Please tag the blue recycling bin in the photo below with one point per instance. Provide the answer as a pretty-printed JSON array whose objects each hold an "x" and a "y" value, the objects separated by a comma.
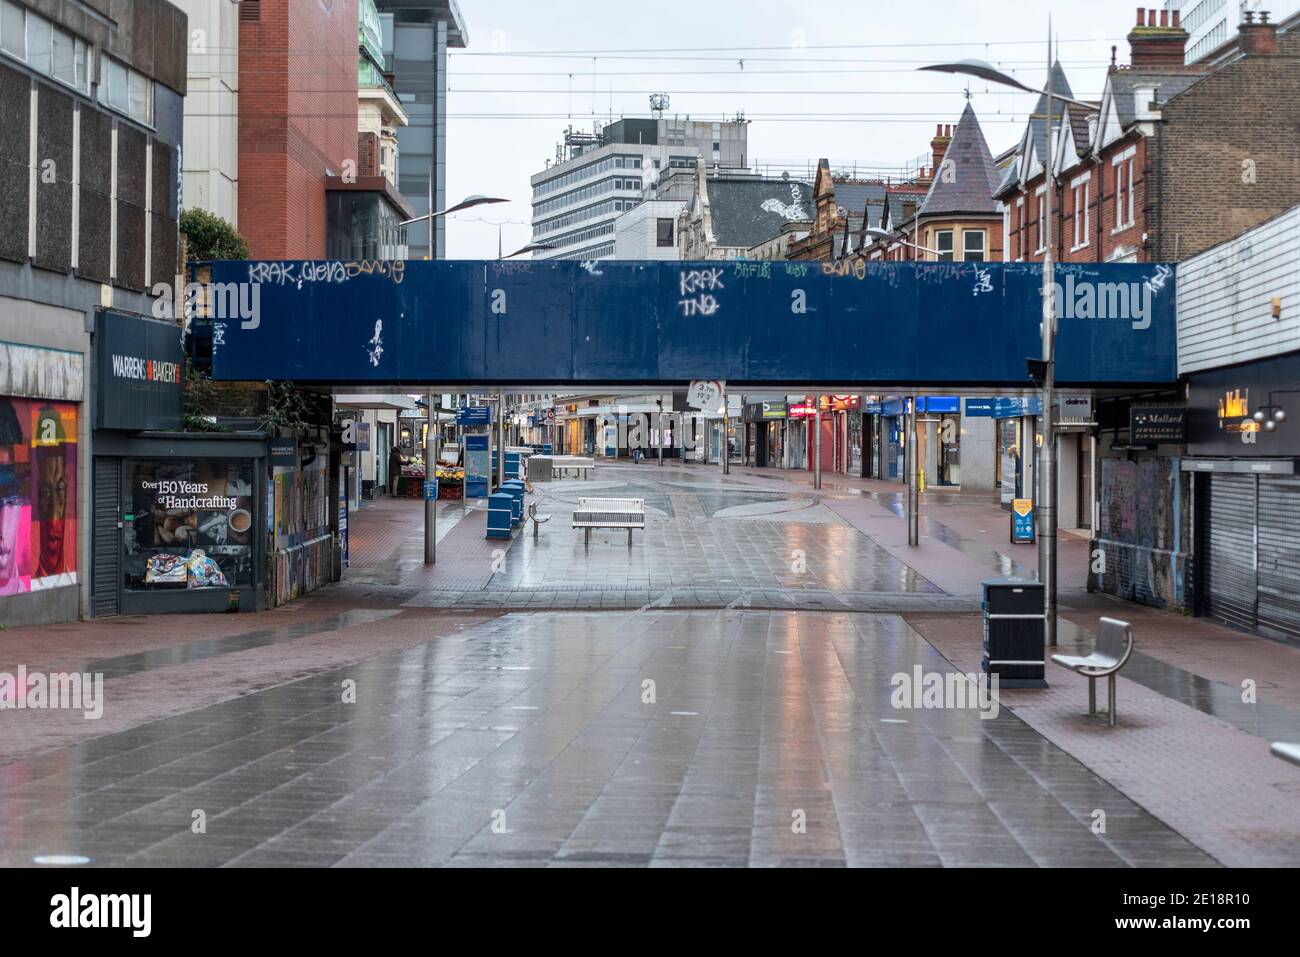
[
  {"x": 512, "y": 465},
  {"x": 500, "y": 510},
  {"x": 515, "y": 488}
]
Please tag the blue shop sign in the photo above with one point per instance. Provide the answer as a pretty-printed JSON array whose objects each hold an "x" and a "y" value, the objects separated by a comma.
[
  {"x": 1004, "y": 407},
  {"x": 938, "y": 403}
]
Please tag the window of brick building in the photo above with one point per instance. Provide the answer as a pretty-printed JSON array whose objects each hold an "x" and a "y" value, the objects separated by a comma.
[
  {"x": 972, "y": 245},
  {"x": 1124, "y": 171},
  {"x": 943, "y": 245},
  {"x": 1081, "y": 217},
  {"x": 1040, "y": 199}
]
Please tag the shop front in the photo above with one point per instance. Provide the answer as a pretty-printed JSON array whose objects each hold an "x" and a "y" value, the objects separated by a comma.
[
  {"x": 1243, "y": 450},
  {"x": 1014, "y": 442},
  {"x": 939, "y": 440},
  {"x": 765, "y": 433},
  {"x": 841, "y": 431},
  {"x": 40, "y": 484},
  {"x": 176, "y": 524},
  {"x": 887, "y": 419},
  {"x": 176, "y": 515}
]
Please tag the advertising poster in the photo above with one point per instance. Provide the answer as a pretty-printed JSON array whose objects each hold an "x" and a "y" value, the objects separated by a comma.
[
  {"x": 476, "y": 466},
  {"x": 1022, "y": 521},
  {"x": 38, "y": 495},
  {"x": 189, "y": 523}
]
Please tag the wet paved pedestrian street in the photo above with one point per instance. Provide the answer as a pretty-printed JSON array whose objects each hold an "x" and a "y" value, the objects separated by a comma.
[
  {"x": 536, "y": 739},
  {"x": 721, "y": 692}
]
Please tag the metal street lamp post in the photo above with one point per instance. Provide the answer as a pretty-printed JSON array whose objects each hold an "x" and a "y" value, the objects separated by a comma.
[
  {"x": 911, "y": 466},
  {"x": 431, "y": 433},
  {"x": 1048, "y": 457}
]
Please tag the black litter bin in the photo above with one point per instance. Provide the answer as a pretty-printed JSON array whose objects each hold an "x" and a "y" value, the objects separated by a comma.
[{"x": 1014, "y": 632}]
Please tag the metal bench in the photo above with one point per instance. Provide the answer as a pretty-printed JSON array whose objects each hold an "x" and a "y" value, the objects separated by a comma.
[
  {"x": 1109, "y": 654},
  {"x": 538, "y": 520},
  {"x": 626, "y": 513},
  {"x": 1285, "y": 751},
  {"x": 573, "y": 463}
]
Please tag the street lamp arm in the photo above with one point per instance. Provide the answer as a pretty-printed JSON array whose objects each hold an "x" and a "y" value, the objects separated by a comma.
[
  {"x": 986, "y": 71},
  {"x": 891, "y": 238},
  {"x": 465, "y": 203}
]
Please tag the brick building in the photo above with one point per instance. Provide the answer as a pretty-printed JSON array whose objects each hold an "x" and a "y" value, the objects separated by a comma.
[
  {"x": 957, "y": 218},
  {"x": 297, "y": 119},
  {"x": 1173, "y": 159},
  {"x": 842, "y": 206}
]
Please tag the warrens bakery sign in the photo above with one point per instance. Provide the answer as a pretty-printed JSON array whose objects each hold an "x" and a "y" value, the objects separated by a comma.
[{"x": 140, "y": 365}]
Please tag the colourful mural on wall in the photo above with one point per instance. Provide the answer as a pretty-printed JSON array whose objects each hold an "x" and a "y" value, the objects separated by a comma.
[
  {"x": 38, "y": 495},
  {"x": 303, "y": 545},
  {"x": 1138, "y": 552}
]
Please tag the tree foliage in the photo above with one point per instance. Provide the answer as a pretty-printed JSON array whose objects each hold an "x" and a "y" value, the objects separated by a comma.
[
  {"x": 286, "y": 408},
  {"x": 211, "y": 237}
]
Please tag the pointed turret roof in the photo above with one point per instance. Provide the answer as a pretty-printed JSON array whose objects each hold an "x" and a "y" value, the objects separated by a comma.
[
  {"x": 1038, "y": 119},
  {"x": 967, "y": 178}
]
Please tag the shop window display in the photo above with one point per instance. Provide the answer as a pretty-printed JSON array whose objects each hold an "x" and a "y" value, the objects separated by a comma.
[
  {"x": 38, "y": 495},
  {"x": 189, "y": 523}
]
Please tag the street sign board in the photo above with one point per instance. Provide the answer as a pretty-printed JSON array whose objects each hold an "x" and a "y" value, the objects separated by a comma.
[
  {"x": 1157, "y": 422},
  {"x": 705, "y": 394},
  {"x": 1022, "y": 521},
  {"x": 474, "y": 415},
  {"x": 430, "y": 489}
]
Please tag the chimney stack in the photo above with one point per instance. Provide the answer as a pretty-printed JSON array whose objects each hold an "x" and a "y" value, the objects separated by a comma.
[
  {"x": 939, "y": 145},
  {"x": 1154, "y": 42},
  {"x": 1257, "y": 38}
]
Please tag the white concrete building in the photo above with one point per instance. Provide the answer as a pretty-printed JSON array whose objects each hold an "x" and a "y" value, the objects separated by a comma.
[
  {"x": 1212, "y": 23},
  {"x": 648, "y": 230},
  {"x": 597, "y": 177},
  {"x": 210, "y": 157}
]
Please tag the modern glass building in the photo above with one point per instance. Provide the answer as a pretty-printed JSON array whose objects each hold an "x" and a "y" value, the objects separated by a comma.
[{"x": 417, "y": 36}]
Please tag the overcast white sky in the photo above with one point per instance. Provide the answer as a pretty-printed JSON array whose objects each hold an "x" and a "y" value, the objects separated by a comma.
[{"x": 855, "y": 58}]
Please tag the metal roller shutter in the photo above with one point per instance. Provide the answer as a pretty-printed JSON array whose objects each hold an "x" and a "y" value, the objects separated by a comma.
[
  {"x": 106, "y": 544},
  {"x": 1230, "y": 579},
  {"x": 1279, "y": 554}
]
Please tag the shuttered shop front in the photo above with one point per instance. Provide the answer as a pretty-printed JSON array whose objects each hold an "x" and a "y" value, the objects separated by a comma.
[
  {"x": 1278, "y": 605},
  {"x": 1250, "y": 551}
]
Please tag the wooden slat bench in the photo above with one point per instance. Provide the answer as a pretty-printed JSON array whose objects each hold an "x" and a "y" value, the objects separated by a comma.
[{"x": 626, "y": 513}]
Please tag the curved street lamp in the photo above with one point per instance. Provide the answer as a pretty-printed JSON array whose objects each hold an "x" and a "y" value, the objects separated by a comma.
[
  {"x": 1048, "y": 459},
  {"x": 987, "y": 71},
  {"x": 431, "y": 438},
  {"x": 530, "y": 248},
  {"x": 889, "y": 237},
  {"x": 466, "y": 203}
]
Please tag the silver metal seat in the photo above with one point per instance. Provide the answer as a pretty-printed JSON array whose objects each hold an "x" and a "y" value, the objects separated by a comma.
[
  {"x": 538, "y": 519},
  {"x": 626, "y": 513},
  {"x": 1109, "y": 654},
  {"x": 1285, "y": 751}
]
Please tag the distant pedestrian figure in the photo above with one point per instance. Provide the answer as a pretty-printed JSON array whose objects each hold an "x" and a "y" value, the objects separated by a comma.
[
  {"x": 394, "y": 469},
  {"x": 636, "y": 455}
]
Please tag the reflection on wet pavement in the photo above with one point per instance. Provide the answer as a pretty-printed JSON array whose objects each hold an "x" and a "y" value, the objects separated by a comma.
[
  {"x": 541, "y": 721},
  {"x": 211, "y": 647}
]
